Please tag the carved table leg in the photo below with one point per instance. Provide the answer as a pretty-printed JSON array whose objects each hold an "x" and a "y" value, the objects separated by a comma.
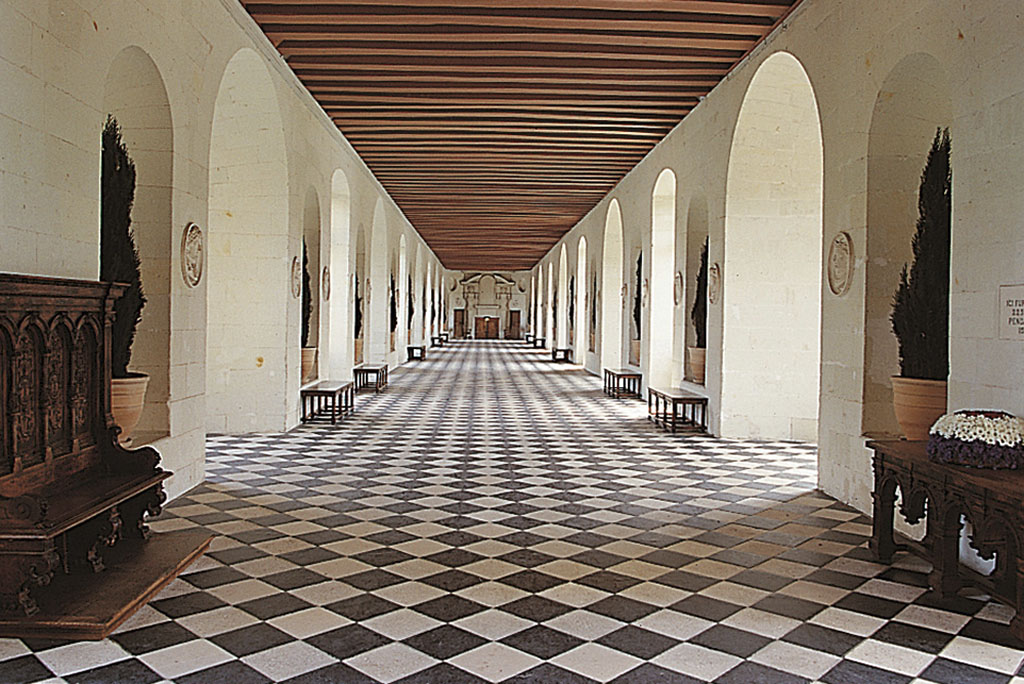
[
  {"x": 1017, "y": 624},
  {"x": 945, "y": 551},
  {"x": 883, "y": 545},
  {"x": 21, "y": 576}
]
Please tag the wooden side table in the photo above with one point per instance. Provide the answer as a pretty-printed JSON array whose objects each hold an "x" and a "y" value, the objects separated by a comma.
[
  {"x": 336, "y": 397},
  {"x": 992, "y": 500}
]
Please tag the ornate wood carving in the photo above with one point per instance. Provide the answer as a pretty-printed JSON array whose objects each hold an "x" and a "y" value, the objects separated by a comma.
[
  {"x": 944, "y": 495},
  {"x": 66, "y": 486}
]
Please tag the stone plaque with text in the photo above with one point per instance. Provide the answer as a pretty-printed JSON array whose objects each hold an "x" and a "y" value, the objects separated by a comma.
[{"x": 1011, "y": 312}]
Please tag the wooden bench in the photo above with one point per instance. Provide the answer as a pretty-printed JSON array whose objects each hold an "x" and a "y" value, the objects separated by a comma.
[
  {"x": 76, "y": 555},
  {"x": 436, "y": 341},
  {"x": 371, "y": 376},
  {"x": 992, "y": 500},
  {"x": 672, "y": 408},
  {"x": 416, "y": 352},
  {"x": 563, "y": 354},
  {"x": 622, "y": 382},
  {"x": 540, "y": 342},
  {"x": 337, "y": 398}
]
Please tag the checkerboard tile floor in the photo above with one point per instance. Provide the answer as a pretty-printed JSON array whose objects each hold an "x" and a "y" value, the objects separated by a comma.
[{"x": 493, "y": 517}]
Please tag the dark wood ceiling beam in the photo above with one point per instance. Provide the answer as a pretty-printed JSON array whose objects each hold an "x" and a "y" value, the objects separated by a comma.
[
  {"x": 497, "y": 124},
  {"x": 293, "y": 36},
  {"x": 760, "y": 8}
]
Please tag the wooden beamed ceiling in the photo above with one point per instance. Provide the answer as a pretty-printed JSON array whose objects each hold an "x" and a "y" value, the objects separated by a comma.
[{"x": 496, "y": 125}]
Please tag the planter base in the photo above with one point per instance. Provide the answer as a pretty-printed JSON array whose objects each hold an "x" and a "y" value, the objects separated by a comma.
[
  {"x": 127, "y": 397},
  {"x": 918, "y": 404}
]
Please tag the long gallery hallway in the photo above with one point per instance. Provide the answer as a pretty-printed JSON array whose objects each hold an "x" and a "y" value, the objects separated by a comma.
[{"x": 494, "y": 517}]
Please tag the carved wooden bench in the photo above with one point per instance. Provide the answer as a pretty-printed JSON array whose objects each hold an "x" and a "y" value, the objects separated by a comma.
[{"x": 74, "y": 557}]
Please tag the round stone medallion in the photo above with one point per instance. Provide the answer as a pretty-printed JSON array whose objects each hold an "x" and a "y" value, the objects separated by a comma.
[
  {"x": 714, "y": 283},
  {"x": 840, "y": 263},
  {"x": 192, "y": 254},
  {"x": 296, "y": 277}
]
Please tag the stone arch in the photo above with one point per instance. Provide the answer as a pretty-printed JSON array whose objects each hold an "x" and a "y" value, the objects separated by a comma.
[
  {"x": 611, "y": 288},
  {"x": 661, "y": 307},
  {"x": 583, "y": 295},
  {"x": 771, "y": 295},
  {"x": 247, "y": 320},
  {"x": 339, "y": 312},
  {"x": 134, "y": 93},
  {"x": 913, "y": 101}
]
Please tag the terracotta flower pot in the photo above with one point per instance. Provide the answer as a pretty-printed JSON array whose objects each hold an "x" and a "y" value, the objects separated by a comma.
[
  {"x": 695, "y": 358},
  {"x": 308, "y": 363},
  {"x": 918, "y": 404},
  {"x": 127, "y": 397}
]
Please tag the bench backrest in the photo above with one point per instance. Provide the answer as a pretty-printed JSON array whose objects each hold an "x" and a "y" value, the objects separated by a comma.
[{"x": 55, "y": 417}]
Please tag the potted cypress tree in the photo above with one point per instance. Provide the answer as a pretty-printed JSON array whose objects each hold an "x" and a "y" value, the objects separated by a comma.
[
  {"x": 699, "y": 316},
  {"x": 119, "y": 263},
  {"x": 634, "y": 341},
  {"x": 411, "y": 306},
  {"x": 920, "y": 306},
  {"x": 358, "y": 321},
  {"x": 308, "y": 352},
  {"x": 393, "y": 318}
]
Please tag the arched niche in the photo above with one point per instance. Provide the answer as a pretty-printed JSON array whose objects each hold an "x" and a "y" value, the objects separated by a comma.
[
  {"x": 912, "y": 103},
  {"x": 311, "y": 236},
  {"x": 583, "y": 295},
  {"x": 249, "y": 288},
  {"x": 611, "y": 288},
  {"x": 135, "y": 95},
  {"x": 661, "y": 306},
  {"x": 696, "y": 238},
  {"x": 562, "y": 326},
  {"x": 339, "y": 356},
  {"x": 376, "y": 323},
  {"x": 772, "y": 268}
]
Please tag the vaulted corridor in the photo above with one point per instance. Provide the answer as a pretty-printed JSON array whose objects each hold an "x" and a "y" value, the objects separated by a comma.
[{"x": 494, "y": 517}]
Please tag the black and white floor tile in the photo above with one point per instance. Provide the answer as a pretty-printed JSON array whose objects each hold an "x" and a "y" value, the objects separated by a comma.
[{"x": 493, "y": 517}]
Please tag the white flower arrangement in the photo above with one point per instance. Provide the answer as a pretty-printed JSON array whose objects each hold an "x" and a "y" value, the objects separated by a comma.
[{"x": 992, "y": 427}]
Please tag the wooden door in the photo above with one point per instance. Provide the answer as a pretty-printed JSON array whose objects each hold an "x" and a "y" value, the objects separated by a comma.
[
  {"x": 492, "y": 328},
  {"x": 513, "y": 332},
  {"x": 485, "y": 328},
  {"x": 459, "y": 324}
]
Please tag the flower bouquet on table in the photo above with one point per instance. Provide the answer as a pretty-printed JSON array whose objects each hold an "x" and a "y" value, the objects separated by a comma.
[{"x": 981, "y": 439}]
